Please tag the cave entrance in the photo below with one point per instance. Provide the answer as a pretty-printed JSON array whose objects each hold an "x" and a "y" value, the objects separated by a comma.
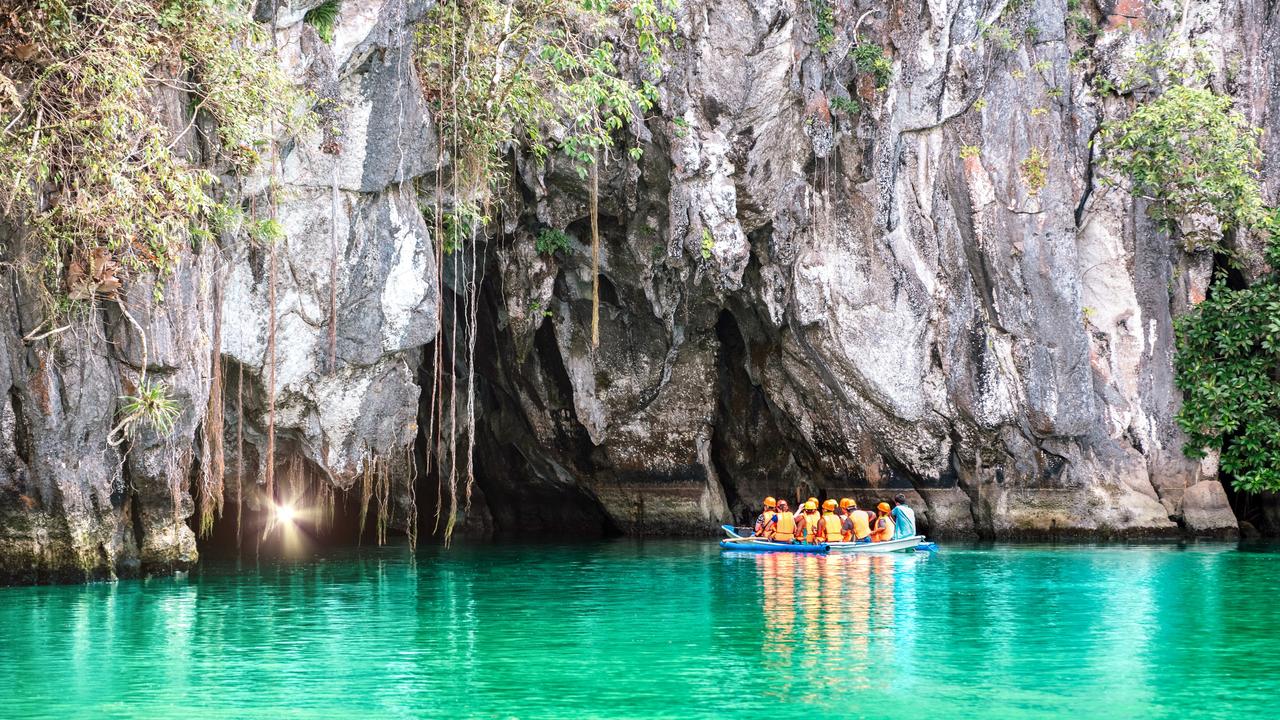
[
  {"x": 308, "y": 514},
  {"x": 524, "y": 486}
]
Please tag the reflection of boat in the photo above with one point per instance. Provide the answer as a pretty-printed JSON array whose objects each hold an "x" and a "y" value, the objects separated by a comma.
[
  {"x": 887, "y": 546},
  {"x": 761, "y": 545}
]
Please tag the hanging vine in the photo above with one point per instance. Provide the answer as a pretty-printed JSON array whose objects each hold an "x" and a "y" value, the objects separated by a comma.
[{"x": 536, "y": 76}]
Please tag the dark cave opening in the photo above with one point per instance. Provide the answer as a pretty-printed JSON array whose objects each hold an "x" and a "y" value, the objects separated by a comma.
[{"x": 524, "y": 487}]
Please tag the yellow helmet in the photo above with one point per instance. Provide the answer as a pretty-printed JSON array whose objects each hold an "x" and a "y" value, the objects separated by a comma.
[
  {"x": 770, "y": 502},
  {"x": 846, "y": 503},
  {"x": 829, "y": 505},
  {"x": 811, "y": 505},
  {"x": 814, "y": 500}
]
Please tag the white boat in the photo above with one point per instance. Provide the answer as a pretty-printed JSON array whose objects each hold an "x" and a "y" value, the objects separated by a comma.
[{"x": 888, "y": 546}]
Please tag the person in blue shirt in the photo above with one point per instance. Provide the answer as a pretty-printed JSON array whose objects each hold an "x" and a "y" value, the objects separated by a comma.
[{"x": 904, "y": 518}]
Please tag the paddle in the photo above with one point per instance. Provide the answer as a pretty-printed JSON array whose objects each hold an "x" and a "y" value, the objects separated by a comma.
[{"x": 733, "y": 531}]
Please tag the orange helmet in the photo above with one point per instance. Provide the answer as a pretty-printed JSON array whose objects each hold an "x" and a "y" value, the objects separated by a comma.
[
  {"x": 829, "y": 505},
  {"x": 883, "y": 507},
  {"x": 846, "y": 503},
  {"x": 770, "y": 502}
]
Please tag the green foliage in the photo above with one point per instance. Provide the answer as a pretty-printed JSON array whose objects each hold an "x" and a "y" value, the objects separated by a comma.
[
  {"x": 536, "y": 310},
  {"x": 1000, "y": 36},
  {"x": 1042, "y": 66},
  {"x": 1228, "y": 368},
  {"x": 151, "y": 407},
  {"x": 1189, "y": 152},
  {"x": 550, "y": 240},
  {"x": 85, "y": 163},
  {"x": 845, "y": 105},
  {"x": 267, "y": 231},
  {"x": 324, "y": 18},
  {"x": 980, "y": 104},
  {"x": 870, "y": 58},
  {"x": 682, "y": 126},
  {"x": 540, "y": 74},
  {"x": 1082, "y": 25},
  {"x": 708, "y": 243},
  {"x": 824, "y": 20},
  {"x": 1034, "y": 169},
  {"x": 969, "y": 151},
  {"x": 458, "y": 225}
]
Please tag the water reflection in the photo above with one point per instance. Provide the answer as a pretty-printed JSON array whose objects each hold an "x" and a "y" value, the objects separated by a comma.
[
  {"x": 659, "y": 630},
  {"x": 820, "y": 614}
]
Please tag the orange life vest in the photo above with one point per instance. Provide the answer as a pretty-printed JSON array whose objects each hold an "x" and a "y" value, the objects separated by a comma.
[
  {"x": 784, "y": 527},
  {"x": 884, "y": 530},
  {"x": 832, "y": 527},
  {"x": 811, "y": 526},
  {"x": 861, "y": 528}
]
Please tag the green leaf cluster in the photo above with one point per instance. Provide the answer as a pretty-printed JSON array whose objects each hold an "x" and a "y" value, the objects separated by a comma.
[
  {"x": 1034, "y": 169},
  {"x": 324, "y": 18},
  {"x": 824, "y": 21},
  {"x": 1228, "y": 368},
  {"x": 550, "y": 241},
  {"x": 150, "y": 407},
  {"x": 537, "y": 74},
  {"x": 1189, "y": 152},
  {"x": 870, "y": 58}
]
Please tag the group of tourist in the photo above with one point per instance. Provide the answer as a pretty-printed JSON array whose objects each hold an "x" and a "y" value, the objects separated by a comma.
[{"x": 840, "y": 521}]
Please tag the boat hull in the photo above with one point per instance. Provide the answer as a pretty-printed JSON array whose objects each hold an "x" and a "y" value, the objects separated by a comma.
[
  {"x": 888, "y": 546},
  {"x": 753, "y": 545}
]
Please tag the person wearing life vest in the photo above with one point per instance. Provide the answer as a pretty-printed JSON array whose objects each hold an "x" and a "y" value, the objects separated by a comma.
[
  {"x": 770, "y": 507},
  {"x": 860, "y": 524},
  {"x": 846, "y": 521},
  {"x": 904, "y": 518},
  {"x": 884, "y": 525},
  {"x": 782, "y": 525},
  {"x": 800, "y": 509},
  {"x": 830, "y": 526},
  {"x": 811, "y": 520}
]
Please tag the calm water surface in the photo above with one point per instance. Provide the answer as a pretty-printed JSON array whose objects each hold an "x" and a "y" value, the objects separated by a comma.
[{"x": 662, "y": 629}]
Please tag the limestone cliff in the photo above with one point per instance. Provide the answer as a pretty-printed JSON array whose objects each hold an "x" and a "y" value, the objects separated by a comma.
[{"x": 809, "y": 285}]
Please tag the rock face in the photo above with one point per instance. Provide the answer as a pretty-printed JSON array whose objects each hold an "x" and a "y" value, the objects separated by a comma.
[{"x": 931, "y": 294}]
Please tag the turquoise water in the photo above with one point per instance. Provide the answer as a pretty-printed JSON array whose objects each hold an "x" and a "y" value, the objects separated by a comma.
[{"x": 662, "y": 629}]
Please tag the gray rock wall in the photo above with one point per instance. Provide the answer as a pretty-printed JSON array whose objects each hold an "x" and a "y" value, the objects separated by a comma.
[{"x": 873, "y": 312}]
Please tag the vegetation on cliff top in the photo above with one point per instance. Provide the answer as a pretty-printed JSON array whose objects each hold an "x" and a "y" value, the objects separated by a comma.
[{"x": 87, "y": 165}]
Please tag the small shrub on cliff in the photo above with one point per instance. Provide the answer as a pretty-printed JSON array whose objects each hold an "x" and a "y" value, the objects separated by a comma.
[
  {"x": 870, "y": 58},
  {"x": 1034, "y": 169},
  {"x": 550, "y": 241},
  {"x": 324, "y": 18},
  {"x": 1188, "y": 152}
]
